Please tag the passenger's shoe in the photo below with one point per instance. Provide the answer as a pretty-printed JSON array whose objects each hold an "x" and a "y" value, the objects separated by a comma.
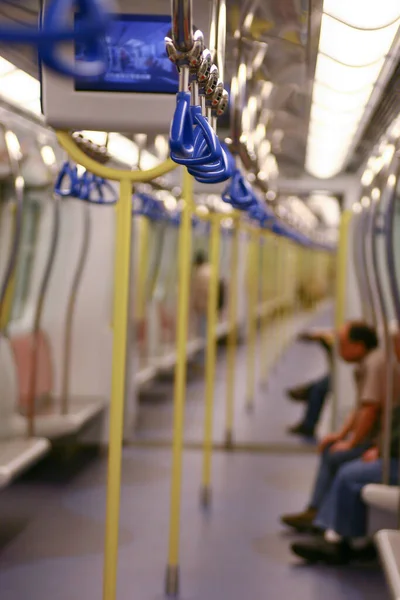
[
  {"x": 300, "y": 393},
  {"x": 319, "y": 550},
  {"x": 301, "y": 429},
  {"x": 367, "y": 553},
  {"x": 301, "y": 522}
]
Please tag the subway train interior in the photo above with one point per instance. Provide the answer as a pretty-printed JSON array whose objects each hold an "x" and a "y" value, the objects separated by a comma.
[{"x": 199, "y": 299}]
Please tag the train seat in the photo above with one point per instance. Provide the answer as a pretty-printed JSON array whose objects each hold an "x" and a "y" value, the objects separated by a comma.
[
  {"x": 22, "y": 349},
  {"x": 383, "y": 497},
  {"x": 18, "y": 454},
  {"x": 49, "y": 422},
  {"x": 388, "y": 543}
]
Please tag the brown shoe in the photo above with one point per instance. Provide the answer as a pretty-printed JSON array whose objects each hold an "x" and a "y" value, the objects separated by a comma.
[{"x": 301, "y": 522}]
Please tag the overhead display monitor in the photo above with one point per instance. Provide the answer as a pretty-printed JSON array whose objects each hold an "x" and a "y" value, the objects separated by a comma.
[
  {"x": 137, "y": 91},
  {"x": 135, "y": 55}
]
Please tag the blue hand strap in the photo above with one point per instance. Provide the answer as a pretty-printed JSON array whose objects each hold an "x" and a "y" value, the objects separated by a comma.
[
  {"x": 206, "y": 146},
  {"x": 181, "y": 135},
  {"x": 216, "y": 172},
  {"x": 238, "y": 193},
  {"x": 54, "y": 30},
  {"x": 92, "y": 190},
  {"x": 88, "y": 188},
  {"x": 67, "y": 182},
  {"x": 150, "y": 207},
  {"x": 89, "y": 29}
]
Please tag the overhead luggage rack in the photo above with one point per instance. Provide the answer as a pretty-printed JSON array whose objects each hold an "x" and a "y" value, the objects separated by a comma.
[
  {"x": 18, "y": 454},
  {"x": 388, "y": 543}
]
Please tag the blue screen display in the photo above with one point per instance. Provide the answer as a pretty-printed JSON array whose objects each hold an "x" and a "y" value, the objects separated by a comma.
[{"x": 134, "y": 51}]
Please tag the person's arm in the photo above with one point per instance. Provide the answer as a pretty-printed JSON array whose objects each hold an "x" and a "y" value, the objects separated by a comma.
[
  {"x": 370, "y": 403},
  {"x": 348, "y": 425},
  {"x": 339, "y": 436},
  {"x": 366, "y": 418}
]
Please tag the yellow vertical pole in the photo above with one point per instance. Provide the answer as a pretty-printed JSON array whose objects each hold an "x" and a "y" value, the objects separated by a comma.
[
  {"x": 120, "y": 320},
  {"x": 232, "y": 336},
  {"x": 340, "y": 301},
  {"x": 276, "y": 292},
  {"x": 265, "y": 354},
  {"x": 253, "y": 273},
  {"x": 144, "y": 236},
  {"x": 184, "y": 253},
  {"x": 280, "y": 282},
  {"x": 211, "y": 355}
]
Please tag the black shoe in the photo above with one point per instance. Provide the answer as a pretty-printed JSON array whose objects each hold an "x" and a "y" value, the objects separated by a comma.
[
  {"x": 301, "y": 522},
  {"x": 319, "y": 550},
  {"x": 301, "y": 429},
  {"x": 299, "y": 394},
  {"x": 367, "y": 553}
]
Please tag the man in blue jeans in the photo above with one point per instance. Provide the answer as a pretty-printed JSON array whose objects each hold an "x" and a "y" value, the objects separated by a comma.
[
  {"x": 315, "y": 393},
  {"x": 315, "y": 397},
  {"x": 343, "y": 514},
  {"x": 357, "y": 343}
]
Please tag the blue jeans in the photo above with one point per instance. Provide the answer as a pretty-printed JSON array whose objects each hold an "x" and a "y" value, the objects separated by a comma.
[
  {"x": 343, "y": 509},
  {"x": 329, "y": 465},
  {"x": 316, "y": 398}
]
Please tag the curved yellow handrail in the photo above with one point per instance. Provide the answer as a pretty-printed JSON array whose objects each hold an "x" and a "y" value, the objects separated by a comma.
[{"x": 96, "y": 168}]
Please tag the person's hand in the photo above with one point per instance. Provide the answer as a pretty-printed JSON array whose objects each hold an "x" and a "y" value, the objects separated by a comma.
[
  {"x": 341, "y": 446},
  {"x": 331, "y": 438},
  {"x": 371, "y": 455}
]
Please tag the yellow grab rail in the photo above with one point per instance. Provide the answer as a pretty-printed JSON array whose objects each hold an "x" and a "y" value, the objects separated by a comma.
[
  {"x": 232, "y": 336},
  {"x": 211, "y": 355},
  {"x": 265, "y": 334},
  {"x": 253, "y": 274},
  {"x": 93, "y": 166},
  {"x": 120, "y": 325},
  {"x": 340, "y": 300},
  {"x": 184, "y": 253}
]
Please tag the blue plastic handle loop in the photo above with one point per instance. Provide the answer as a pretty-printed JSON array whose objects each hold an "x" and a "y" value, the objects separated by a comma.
[
  {"x": 150, "y": 207},
  {"x": 181, "y": 136},
  {"x": 68, "y": 175},
  {"x": 55, "y": 30},
  {"x": 92, "y": 190},
  {"x": 90, "y": 29},
  {"x": 215, "y": 176},
  {"x": 238, "y": 193},
  {"x": 206, "y": 145},
  {"x": 216, "y": 172}
]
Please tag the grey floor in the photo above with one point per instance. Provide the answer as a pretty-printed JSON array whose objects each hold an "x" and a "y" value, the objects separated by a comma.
[
  {"x": 272, "y": 410},
  {"x": 52, "y": 528}
]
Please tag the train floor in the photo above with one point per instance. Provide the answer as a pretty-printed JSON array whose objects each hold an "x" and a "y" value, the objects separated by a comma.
[{"x": 51, "y": 532}]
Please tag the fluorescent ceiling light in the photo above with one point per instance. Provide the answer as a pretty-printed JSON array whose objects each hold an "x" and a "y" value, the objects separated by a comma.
[
  {"x": 123, "y": 149},
  {"x": 355, "y": 39},
  {"x": 346, "y": 79},
  {"x": 6, "y": 67},
  {"x": 363, "y": 13},
  {"x": 49, "y": 158},
  {"x": 355, "y": 47},
  {"x": 338, "y": 101}
]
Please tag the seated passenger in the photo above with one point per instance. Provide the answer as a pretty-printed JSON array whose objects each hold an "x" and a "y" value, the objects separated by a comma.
[
  {"x": 316, "y": 392},
  {"x": 357, "y": 344},
  {"x": 343, "y": 514}
]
